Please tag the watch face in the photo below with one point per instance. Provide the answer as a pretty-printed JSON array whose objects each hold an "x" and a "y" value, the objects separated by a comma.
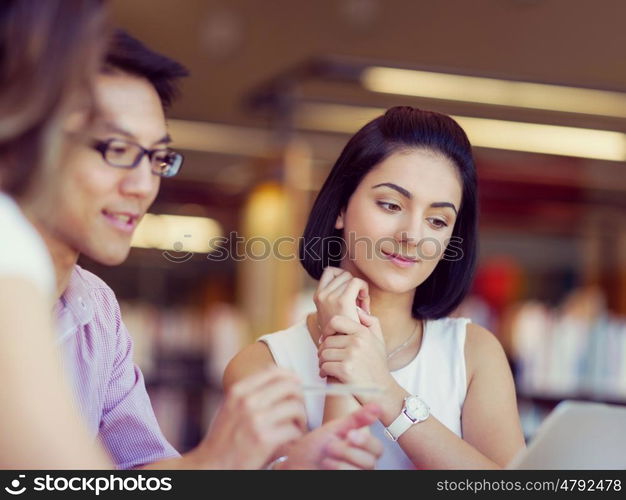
[{"x": 416, "y": 408}]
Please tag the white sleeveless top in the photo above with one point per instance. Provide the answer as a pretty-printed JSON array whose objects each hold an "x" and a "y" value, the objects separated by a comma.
[{"x": 437, "y": 374}]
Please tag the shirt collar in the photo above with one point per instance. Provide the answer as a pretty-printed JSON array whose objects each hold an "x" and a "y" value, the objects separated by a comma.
[{"x": 75, "y": 307}]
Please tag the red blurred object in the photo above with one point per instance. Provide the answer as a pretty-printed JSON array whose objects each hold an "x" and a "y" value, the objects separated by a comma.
[{"x": 499, "y": 281}]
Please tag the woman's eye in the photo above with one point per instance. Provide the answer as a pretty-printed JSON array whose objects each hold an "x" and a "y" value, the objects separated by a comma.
[
  {"x": 439, "y": 223},
  {"x": 390, "y": 207}
]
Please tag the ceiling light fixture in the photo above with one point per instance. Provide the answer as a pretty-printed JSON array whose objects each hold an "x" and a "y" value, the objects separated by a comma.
[{"x": 494, "y": 91}]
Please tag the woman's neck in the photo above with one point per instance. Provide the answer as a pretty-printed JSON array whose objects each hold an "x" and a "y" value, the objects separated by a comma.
[{"x": 393, "y": 310}]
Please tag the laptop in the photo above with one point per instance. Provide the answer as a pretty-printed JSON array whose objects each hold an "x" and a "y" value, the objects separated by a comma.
[{"x": 577, "y": 435}]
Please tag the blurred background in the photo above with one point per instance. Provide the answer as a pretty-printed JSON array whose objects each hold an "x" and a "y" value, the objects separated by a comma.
[{"x": 276, "y": 89}]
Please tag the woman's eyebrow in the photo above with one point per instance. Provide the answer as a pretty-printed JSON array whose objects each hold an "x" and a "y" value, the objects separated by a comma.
[
  {"x": 395, "y": 187},
  {"x": 443, "y": 204},
  {"x": 407, "y": 194}
]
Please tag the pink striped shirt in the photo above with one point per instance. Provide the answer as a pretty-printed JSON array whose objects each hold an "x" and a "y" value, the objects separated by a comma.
[{"x": 109, "y": 387}]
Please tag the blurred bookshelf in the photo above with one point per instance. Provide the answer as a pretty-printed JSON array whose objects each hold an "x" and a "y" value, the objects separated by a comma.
[
  {"x": 185, "y": 329},
  {"x": 573, "y": 350}
]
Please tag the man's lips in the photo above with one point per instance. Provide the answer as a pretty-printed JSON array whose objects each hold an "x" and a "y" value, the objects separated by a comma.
[{"x": 125, "y": 221}]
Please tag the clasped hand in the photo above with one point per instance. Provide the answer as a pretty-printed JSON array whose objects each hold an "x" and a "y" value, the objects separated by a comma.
[{"x": 351, "y": 344}]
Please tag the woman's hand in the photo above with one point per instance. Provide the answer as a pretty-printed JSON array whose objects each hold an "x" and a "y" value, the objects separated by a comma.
[
  {"x": 339, "y": 293},
  {"x": 357, "y": 357}
]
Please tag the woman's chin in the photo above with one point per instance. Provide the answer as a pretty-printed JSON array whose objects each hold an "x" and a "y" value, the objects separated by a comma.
[
  {"x": 388, "y": 281},
  {"x": 398, "y": 286}
]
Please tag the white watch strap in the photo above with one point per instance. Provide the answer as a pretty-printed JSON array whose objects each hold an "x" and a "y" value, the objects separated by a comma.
[{"x": 399, "y": 426}]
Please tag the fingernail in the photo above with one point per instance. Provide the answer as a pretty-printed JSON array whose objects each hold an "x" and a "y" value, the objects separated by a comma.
[
  {"x": 319, "y": 340},
  {"x": 357, "y": 436}
]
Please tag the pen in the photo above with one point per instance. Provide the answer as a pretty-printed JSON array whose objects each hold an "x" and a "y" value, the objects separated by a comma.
[{"x": 342, "y": 389}]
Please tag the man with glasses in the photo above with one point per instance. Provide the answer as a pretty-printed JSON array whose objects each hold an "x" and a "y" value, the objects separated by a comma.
[{"x": 109, "y": 178}]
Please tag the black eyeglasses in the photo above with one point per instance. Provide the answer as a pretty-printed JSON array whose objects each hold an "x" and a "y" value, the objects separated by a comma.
[{"x": 125, "y": 154}]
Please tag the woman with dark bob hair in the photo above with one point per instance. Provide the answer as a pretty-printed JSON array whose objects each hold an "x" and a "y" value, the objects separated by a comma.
[{"x": 392, "y": 240}]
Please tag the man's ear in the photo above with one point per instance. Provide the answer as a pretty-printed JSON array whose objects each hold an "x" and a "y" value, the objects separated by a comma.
[{"x": 339, "y": 221}]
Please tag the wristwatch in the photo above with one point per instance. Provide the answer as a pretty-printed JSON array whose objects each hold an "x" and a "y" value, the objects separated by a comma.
[{"x": 413, "y": 411}]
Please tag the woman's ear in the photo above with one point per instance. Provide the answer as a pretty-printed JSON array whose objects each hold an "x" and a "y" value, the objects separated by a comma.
[{"x": 339, "y": 221}]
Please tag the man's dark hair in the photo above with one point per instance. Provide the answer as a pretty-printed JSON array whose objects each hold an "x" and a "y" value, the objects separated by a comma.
[
  {"x": 401, "y": 128},
  {"x": 128, "y": 54}
]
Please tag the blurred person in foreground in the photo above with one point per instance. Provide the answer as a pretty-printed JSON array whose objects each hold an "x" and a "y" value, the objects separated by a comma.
[
  {"x": 110, "y": 177},
  {"x": 48, "y": 54}
]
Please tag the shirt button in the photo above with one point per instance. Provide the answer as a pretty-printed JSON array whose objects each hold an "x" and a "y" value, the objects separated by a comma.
[{"x": 82, "y": 302}]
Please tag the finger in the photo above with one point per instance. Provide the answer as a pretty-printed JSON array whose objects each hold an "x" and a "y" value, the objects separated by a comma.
[
  {"x": 357, "y": 290},
  {"x": 350, "y": 293},
  {"x": 329, "y": 273},
  {"x": 336, "y": 284},
  {"x": 364, "y": 302},
  {"x": 362, "y": 438},
  {"x": 279, "y": 436},
  {"x": 328, "y": 463},
  {"x": 341, "y": 324},
  {"x": 346, "y": 301},
  {"x": 365, "y": 318},
  {"x": 357, "y": 457},
  {"x": 273, "y": 393},
  {"x": 285, "y": 413},
  {"x": 364, "y": 299},
  {"x": 364, "y": 416},
  {"x": 332, "y": 355},
  {"x": 371, "y": 322},
  {"x": 261, "y": 379},
  {"x": 334, "y": 342},
  {"x": 333, "y": 369}
]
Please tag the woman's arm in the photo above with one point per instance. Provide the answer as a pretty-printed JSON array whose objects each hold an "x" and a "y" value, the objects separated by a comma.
[
  {"x": 251, "y": 360},
  {"x": 492, "y": 433},
  {"x": 331, "y": 446},
  {"x": 39, "y": 425},
  {"x": 491, "y": 430},
  {"x": 490, "y": 416}
]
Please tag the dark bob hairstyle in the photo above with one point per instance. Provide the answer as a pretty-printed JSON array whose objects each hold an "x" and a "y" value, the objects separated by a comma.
[{"x": 399, "y": 129}]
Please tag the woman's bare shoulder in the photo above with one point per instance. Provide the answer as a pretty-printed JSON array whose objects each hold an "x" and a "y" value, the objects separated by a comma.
[
  {"x": 250, "y": 360},
  {"x": 482, "y": 350}
]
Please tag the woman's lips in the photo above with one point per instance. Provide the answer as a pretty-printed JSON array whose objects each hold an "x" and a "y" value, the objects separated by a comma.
[{"x": 400, "y": 260}]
